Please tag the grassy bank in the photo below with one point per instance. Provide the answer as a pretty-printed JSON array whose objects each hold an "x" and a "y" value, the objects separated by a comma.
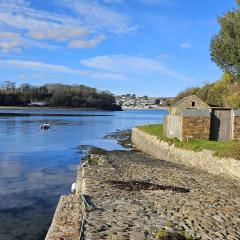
[{"x": 221, "y": 149}]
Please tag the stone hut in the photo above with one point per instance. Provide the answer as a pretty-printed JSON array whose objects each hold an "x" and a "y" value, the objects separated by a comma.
[
  {"x": 236, "y": 125},
  {"x": 191, "y": 118},
  {"x": 189, "y": 102}
]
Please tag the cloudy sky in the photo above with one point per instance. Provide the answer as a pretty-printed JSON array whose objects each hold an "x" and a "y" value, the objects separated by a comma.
[{"x": 147, "y": 47}]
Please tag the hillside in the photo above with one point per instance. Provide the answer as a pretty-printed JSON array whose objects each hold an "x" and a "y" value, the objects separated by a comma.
[
  {"x": 223, "y": 93},
  {"x": 56, "y": 95}
]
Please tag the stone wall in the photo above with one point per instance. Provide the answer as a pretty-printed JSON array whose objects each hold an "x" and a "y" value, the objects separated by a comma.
[
  {"x": 195, "y": 127},
  {"x": 203, "y": 160},
  {"x": 236, "y": 133},
  {"x": 67, "y": 219}
]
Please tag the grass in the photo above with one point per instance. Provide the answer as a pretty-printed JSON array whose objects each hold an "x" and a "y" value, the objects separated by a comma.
[
  {"x": 93, "y": 162},
  {"x": 229, "y": 149},
  {"x": 164, "y": 234}
]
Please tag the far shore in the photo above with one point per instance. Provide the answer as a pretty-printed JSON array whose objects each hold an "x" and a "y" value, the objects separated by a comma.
[
  {"x": 160, "y": 108},
  {"x": 72, "y": 109},
  {"x": 54, "y": 108}
]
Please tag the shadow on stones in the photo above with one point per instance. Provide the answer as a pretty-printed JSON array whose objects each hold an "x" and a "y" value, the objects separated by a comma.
[
  {"x": 89, "y": 205},
  {"x": 143, "y": 185}
]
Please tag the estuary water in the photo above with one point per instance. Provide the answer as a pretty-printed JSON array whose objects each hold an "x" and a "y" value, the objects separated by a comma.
[{"x": 37, "y": 166}]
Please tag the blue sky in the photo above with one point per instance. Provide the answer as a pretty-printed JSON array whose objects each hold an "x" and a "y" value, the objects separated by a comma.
[{"x": 146, "y": 47}]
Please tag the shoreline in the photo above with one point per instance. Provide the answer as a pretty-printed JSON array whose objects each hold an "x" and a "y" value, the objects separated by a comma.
[
  {"x": 52, "y": 108},
  {"x": 73, "y": 109},
  {"x": 152, "y": 109}
]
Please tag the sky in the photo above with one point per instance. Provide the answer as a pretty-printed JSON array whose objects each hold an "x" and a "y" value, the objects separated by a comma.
[{"x": 142, "y": 47}]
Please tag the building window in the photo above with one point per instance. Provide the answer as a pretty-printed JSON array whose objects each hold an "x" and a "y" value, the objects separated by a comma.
[{"x": 193, "y": 104}]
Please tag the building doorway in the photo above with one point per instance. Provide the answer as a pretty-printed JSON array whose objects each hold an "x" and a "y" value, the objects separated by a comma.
[{"x": 221, "y": 125}]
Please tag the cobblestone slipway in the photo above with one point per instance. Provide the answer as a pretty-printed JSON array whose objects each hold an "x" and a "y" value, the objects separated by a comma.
[{"x": 210, "y": 209}]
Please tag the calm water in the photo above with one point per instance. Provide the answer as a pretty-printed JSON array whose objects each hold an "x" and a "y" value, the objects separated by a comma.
[{"x": 36, "y": 166}]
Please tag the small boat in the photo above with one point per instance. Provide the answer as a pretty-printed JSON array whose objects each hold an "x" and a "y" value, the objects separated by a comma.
[{"x": 45, "y": 126}]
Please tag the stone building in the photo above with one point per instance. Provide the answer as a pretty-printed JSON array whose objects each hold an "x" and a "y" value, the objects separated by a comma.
[
  {"x": 191, "y": 118},
  {"x": 236, "y": 122},
  {"x": 189, "y": 102}
]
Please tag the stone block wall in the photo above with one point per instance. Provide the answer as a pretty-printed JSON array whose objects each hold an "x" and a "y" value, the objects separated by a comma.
[
  {"x": 236, "y": 132},
  {"x": 196, "y": 127},
  {"x": 203, "y": 160}
]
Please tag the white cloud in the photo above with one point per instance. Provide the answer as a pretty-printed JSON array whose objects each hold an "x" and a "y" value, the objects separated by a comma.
[
  {"x": 46, "y": 67},
  {"x": 41, "y": 66},
  {"x": 164, "y": 56},
  {"x": 186, "y": 45},
  {"x": 98, "y": 16},
  {"x": 86, "y": 43},
  {"x": 133, "y": 65},
  {"x": 106, "y": 75},
  {"x": 9, "y": 41},
  {"x": 28, "y": 26},
  {"x": 59, "y": 33},
  {"x": 10, "y": 35}
]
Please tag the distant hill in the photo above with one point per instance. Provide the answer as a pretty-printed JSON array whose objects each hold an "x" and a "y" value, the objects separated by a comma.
[
  {"x": 223, "y": 93},
  {"x": 56, "y": 95}
]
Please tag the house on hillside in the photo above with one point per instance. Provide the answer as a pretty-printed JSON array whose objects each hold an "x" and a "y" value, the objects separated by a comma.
[
  {"x": 192, "y": 118},
  {"x": 37, "y": 104}
]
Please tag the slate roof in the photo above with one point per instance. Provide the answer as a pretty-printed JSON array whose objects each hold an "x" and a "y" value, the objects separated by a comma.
[{"x": 181, "y": 101}]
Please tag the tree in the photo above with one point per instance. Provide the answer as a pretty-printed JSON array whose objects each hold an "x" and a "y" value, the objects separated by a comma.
[
  {"x": 225, "y": 46},
  {"x": 185, "y": 93},
  {"x": 145, "y": 97},
  {"x": 8, "y": 87},
  {"x": 56, "y": 95},
  {"x": 157, "y": 101}
]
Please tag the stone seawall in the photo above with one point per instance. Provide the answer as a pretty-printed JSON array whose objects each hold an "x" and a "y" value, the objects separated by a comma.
[
  {"x": 203, "y": 160},
  {"x": 67, "y": 220}
]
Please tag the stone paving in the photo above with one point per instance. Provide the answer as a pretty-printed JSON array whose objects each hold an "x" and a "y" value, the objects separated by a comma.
[
  {"x": 119, "y": 214},
  {"x": 133, "y": 195},
  {"x": 209, "y": 210},
  {"x": 212, "y": 207}
]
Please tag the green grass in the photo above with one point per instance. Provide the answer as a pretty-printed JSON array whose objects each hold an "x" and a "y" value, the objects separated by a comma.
[
  {"x": 93, "y": 162},
  {"x": 221, "y": 149},
  {"x": 163, "y": 234}
]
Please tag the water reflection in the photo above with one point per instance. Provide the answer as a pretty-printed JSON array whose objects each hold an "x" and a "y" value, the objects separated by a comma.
[{"x": 37, "y": 166}]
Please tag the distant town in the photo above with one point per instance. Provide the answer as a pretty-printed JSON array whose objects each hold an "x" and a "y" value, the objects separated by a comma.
[{"x": 131, "y": 101}]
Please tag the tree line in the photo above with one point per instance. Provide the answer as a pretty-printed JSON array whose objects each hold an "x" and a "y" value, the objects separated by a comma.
[
  {"x": 225, "y": 52},
  {"x": 223, "y": 93},
  {"x": 56, "y": 95}
]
